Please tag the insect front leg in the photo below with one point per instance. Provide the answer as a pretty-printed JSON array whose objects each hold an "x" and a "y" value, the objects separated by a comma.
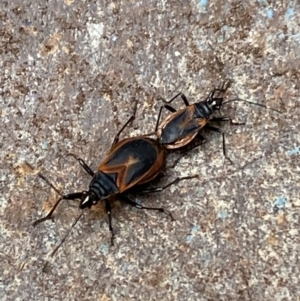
[
  {"x": 222, "y": 89},
  {"x": 108, "y": 211},
  {"x": 117, "y": 137},
  {"x": 72, "y": 196},
  {"x": 183, "y": 97}
]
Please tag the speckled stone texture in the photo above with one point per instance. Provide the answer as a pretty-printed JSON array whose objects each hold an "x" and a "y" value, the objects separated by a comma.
[{"x": 72, "y": 72}]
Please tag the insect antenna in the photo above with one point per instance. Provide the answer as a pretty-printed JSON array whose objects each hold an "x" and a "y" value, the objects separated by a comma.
[
  {"x": 251, "y": 102},
  {"x": 50, "y": 184},
  {"x": 74, "y": 223},
  {"x": 67, "y": 234}
]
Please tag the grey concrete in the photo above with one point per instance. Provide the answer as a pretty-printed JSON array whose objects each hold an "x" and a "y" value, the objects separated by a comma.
[{"x": 72, "y": 73}]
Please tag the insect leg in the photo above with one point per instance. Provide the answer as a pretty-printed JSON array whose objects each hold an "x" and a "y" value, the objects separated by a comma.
[
  {"x": 224, "y": 118},
  {"x": 198, "y": 143},
  {"x": 183, "y": 97},
  {"x": 157, "y": 189},
  {"x": 202, "y": 141},
  {"x": 83, "y": 164},
  {"x": 138, "y": 206},
  {"x": 108, "y": 211},
  {"x": 72, "y": 196},
  {"x": 168, "y": 107},
  {"x": 214, "y": 129},
  {"x": 222, "y": 89},
  {"x": 117, "y": 137}
]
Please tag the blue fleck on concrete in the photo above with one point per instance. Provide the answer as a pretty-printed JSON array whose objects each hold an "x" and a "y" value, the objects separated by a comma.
[
  {"x": 270, "y": 13},
  {"x": 293, "y": 151},
  {"x": 289, "y": 14},
  {"x": 280, "y": 202}
]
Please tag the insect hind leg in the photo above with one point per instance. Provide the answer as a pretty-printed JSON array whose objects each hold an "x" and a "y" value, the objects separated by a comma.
[
  {"x": 200, "y": 141},
  {"x": 170, "y": 108},
  {"x": 158, "y": 189},
  {"x": 224, "y": 118},
  {"x": 138, "y": 206}
]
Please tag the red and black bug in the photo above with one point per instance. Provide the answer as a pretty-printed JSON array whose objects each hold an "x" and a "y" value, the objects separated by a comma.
[
  {"x": 130, "y": 162},
  {"x": 181, "y": 127}
]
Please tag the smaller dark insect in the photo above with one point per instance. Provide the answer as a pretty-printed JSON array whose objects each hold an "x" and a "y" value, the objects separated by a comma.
[
  {"x": 181, "y": 127},
  {"x": 130, "y": 162}
]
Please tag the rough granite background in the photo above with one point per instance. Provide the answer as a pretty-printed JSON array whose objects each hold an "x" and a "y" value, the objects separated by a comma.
[{"x": 72, "y": 72}]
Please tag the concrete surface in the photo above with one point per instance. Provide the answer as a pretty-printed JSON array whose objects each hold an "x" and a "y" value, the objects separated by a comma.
[{"x": 72, "y": 72}]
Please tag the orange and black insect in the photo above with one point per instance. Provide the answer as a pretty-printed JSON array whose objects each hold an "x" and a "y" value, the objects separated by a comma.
[
  {"x": 182, "y": 126},
  {"x": 130, "y": 162}
]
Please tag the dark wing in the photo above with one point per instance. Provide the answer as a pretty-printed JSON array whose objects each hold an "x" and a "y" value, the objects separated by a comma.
[
  {"x": 134, "y": 160},
  {"x": 180, "y": 129}
]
